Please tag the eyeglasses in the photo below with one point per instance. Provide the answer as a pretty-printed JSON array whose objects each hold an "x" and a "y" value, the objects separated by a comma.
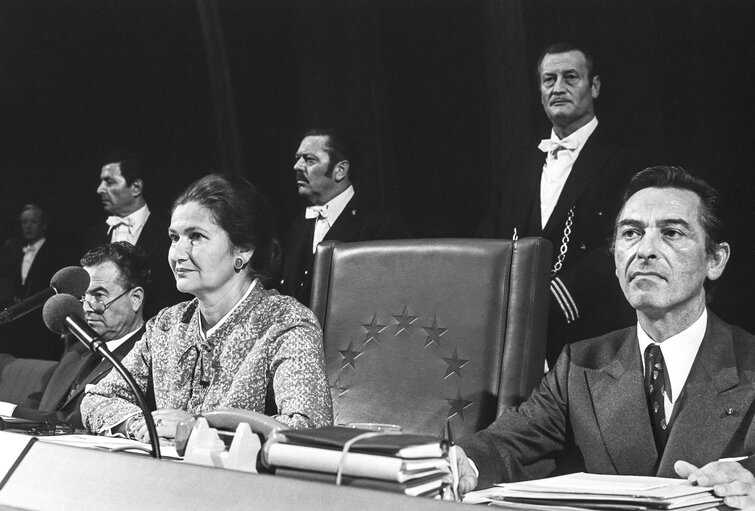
[{"x": 97, "y": 305}]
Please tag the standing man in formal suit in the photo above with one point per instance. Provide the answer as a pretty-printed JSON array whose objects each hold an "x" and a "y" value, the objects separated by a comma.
[
  {"x": 677, "y": 386},
  {"x": 123, "y": 180},
  {"x": 566, "y": 189},
  {"x": 33, "y": 261},
  {"x": 113, "y": 304},
  {"x": 323, "y": 169}
]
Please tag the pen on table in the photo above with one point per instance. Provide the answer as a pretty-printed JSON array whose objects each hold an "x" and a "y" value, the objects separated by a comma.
[{"x": 452, "y": 462}]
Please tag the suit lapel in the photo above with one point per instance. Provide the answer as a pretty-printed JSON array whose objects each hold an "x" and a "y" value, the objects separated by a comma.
[
  {"x": 347, "y": 222},
  {"x": 618, "y": 397},
  {"x": 524, "y": 194},
  {"x": 712, "y": 406},
  {"x": 104, "y": 366},
  {"x": 591, "y": 161}
]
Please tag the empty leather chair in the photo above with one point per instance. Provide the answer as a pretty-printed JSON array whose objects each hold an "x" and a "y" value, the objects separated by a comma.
[{"x": 419, "y": 330}]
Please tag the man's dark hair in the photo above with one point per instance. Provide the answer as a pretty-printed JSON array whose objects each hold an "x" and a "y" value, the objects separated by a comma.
[
  {"x": 130, "y": 260},
  {"x": 662, "y": 176},
  {"x": 564, "y": 47},
  {"x": 340, "y": 147},
  {"x": 130, "y": 165}
]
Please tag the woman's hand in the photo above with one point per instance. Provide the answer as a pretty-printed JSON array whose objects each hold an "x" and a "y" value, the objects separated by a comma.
[{"x": 165, "y": 424}]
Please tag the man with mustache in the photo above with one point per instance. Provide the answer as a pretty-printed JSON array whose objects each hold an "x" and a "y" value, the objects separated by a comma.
[
  {"x": 566, "y": 189},
  {"x": 336, "y": 211},
  {"x": 677, "y": 387},
  {"x": 113, "y": 305}
]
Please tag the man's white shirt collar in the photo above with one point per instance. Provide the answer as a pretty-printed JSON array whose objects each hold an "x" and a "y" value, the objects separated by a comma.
[
  {"x": 137, "y": 220},
  {"x": 679, "y": 352},
  {"x": 337, "y": 204},
  {"x": 579, "y": 137},
  {"x": 112, "y": 345}
]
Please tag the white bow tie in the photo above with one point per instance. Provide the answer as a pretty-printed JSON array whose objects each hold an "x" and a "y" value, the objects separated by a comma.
[
  {"x": 115, "y": 221},
  {"x": 28, "y": 248},
  {"x": 316, "y": 212},
  {"x": 552, "y": 147}
]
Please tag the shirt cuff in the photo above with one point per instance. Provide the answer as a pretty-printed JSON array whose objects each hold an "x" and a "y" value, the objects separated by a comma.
[
  {"x": 474, "y": 467},
  {"x": 7, "y": 409}
]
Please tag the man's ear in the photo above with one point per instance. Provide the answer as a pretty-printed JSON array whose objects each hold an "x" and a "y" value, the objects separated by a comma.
[
  {"x": 341, "y": 170},
  {"x": 595, "y": 87},
  {"x": 137, "y": 298},
  {"x": 717, "y": 261},
  {"x": 137, "y": 187}
]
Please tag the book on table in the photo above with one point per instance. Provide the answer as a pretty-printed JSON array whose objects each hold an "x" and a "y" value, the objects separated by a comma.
[
  {"x": 599, "y": 491},
  {"x": 412, "y": 464}
]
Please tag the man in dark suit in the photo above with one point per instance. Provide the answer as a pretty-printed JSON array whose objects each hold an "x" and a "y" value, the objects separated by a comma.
[
  {"x": 32, "y": 261},
  {"x": 677, "y": 386},
  {"x": 336, "y": 211},
  {"x": 567, "y": 191},
  {"x": 113, "y": 305},
  {"x": 123, "y": 180}
]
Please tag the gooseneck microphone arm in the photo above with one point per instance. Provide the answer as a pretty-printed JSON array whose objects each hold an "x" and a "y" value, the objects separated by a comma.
[{"x": 82, "y": 332}]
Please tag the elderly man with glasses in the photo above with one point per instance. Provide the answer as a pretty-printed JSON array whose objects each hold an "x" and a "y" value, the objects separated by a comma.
[{"x": 113, "y": 306}]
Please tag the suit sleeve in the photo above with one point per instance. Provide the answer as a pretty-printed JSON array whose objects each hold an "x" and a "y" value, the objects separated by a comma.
[{"x": 524, "y": 439}]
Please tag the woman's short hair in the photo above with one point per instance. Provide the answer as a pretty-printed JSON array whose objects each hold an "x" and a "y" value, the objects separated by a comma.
[{"x": 244, "y": 214}]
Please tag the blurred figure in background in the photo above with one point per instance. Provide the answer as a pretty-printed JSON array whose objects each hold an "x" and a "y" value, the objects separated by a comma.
[{"x": 31, "y": 260}]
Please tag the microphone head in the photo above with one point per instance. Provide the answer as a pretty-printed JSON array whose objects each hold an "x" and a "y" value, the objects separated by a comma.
[
  {"x": 58, "y": 308},
  {"x": 72, "y": 280}
]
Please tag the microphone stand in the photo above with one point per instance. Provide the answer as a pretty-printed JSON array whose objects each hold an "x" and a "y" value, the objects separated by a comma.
[{"x": 98, "y": 346}]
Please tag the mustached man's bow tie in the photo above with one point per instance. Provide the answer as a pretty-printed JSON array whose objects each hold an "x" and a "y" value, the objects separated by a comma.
[
  {"x": 316, "y": 212},
  {"x": 554, "y": 146},
  {"x": 115, "y": 221}
]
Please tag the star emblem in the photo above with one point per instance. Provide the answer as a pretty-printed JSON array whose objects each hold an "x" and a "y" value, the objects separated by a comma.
[
  {"x": 458, "y": 406},
  {"x": 337, "y": 386},
  {"x": 404, "y": 321},
  {"x": 349, "y": 356},
  {"x": 373, "y": 329},
  {"x": 433, "y": 333},
  {"x": 454, "y": 364}
]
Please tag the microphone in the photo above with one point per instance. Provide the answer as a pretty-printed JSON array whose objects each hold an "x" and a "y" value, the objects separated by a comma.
[
  {"x": 64, "y": 313},
  {"x": 72, "y": 280}
]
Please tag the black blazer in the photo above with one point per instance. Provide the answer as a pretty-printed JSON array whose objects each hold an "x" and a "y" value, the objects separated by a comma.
[
  {"x": 590, "y": 412},
  {"x": 77, "y": 368},
  {"x": 587, "y": 276},
  {"x": 359, "y": 221}
]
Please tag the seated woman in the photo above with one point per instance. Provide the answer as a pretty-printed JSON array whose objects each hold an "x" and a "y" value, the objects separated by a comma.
[{"x": 236, "y": 344}]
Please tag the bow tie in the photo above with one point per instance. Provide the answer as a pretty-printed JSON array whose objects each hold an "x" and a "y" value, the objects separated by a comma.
[
  {"x": 552, "y": 147},
  {"x": 115, "y": 221},
  {"x": 316, "y": 212},
  {"x": 28, "y": 248}
]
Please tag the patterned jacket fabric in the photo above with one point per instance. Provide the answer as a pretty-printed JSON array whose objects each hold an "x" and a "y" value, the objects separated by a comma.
[{"x": 267, "y": 354}]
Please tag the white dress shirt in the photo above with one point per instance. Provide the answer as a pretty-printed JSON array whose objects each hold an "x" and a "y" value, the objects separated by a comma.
[
  {"x": 558, "y": 165},
  {"x": 327, "y": 214},
  {"x": 30, "y": 252},
  {"x": 131, "y": 227},
  {"x": 679, "y": 352}
]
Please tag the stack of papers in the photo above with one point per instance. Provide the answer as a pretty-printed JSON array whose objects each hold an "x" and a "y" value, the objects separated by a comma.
[
  {"x": 595, "y": 491},
  {"x": 412, "y": 464}
]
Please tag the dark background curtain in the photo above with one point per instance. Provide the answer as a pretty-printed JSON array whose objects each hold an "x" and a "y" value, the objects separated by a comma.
[{"x": 437, "y": 92}]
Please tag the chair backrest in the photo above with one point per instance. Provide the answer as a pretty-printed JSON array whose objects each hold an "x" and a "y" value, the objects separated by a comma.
[
  {"x": 419, "y": 330},
  {"x": 23, "y": 380}
]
